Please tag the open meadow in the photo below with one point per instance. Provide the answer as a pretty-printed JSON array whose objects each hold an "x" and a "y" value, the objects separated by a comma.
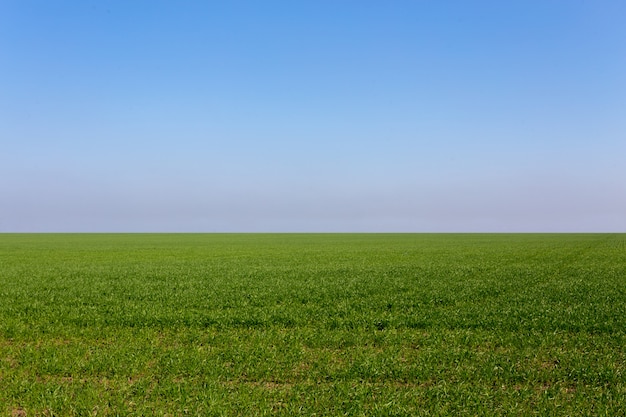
[{"x": 312, "y": 324}]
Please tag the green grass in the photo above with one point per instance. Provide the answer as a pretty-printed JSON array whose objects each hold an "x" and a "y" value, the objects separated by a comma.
[{"x": 312, "y": 324}]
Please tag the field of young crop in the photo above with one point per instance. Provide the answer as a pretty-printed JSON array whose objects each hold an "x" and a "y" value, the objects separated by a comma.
[{"x": 312, "y": 324}]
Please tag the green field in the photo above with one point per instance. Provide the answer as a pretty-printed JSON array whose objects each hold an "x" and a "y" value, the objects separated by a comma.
[{"x": 312, "y": 324}]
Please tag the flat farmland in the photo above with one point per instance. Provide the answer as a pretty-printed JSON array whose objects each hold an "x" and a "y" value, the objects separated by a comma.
[{"x": 312, "y": 324}]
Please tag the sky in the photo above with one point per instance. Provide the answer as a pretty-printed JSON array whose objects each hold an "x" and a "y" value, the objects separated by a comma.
[{"x": 312, "y": 116}]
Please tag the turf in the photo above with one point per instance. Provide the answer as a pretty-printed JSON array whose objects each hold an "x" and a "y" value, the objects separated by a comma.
[{"x": 312, "y": 324}]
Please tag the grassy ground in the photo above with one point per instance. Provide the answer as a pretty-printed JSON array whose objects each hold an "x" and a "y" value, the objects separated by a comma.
[{"x": 344, "y": 324}]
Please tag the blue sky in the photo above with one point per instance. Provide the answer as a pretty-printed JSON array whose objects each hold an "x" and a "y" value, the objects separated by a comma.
[{"x": 312, "y": 116}]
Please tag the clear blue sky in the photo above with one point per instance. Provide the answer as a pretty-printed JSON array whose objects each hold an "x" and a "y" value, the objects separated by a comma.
[{"x": 400, "y": 116}]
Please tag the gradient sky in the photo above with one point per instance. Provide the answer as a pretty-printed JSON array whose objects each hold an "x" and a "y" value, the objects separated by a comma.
[{"x": 313, "y": 116}]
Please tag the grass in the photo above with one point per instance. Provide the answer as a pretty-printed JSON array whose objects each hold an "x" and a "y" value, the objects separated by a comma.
[{"x": 312, "y": 324}]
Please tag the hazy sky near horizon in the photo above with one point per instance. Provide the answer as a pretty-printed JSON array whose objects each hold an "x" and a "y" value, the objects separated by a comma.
[{"x": 312, "y": 116}]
